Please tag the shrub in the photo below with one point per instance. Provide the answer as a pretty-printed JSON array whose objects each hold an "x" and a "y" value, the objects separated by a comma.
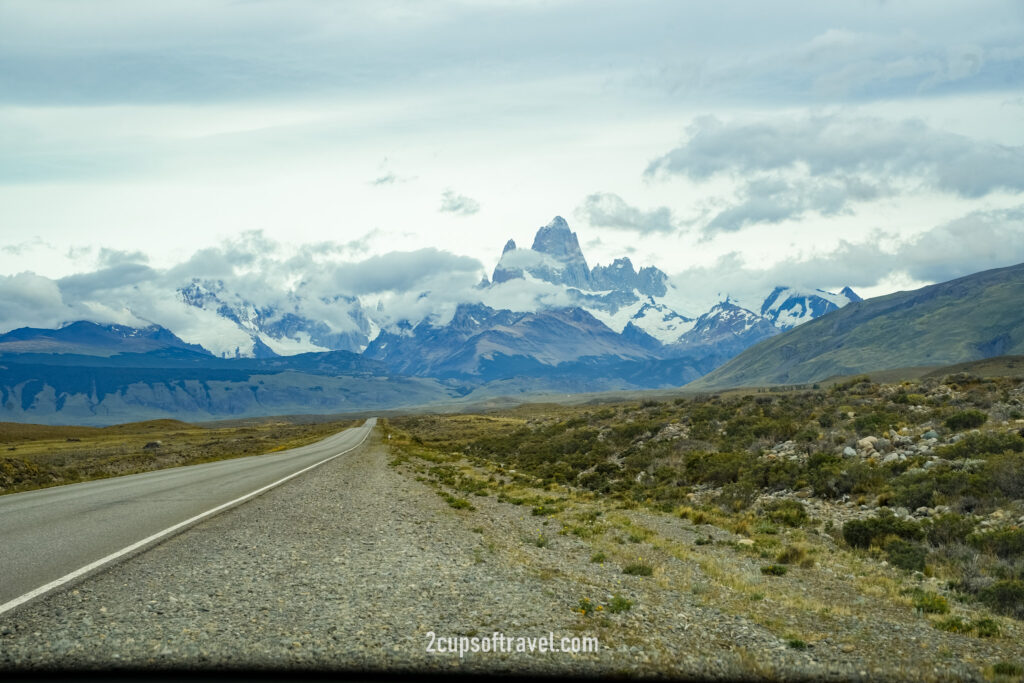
[
  {"x": 1005, "y": 597},
  {"x": 860, "y": 533},
  {"x": 796, "y": 644},
  {"x": 1008, "y": 669},
  {"x": 586, "y": 607},
  {"x": 966, "y": 419},
  {"x": 986, "y": 443},
  {"x": 1006, "y": 543},
  {"x": 736, "y": 497},
  {"x": 986, "y": 628},
  {"x": 1005, "y": 473},
  {"x": 774, "y": 570},
  {"x": 792, "y": 554},
  {"x": 598, "y": 557},
  {"x": 906, "y": 555},
  {"x": 458, "y": 503},
  {"x": 695, "y": 516},
  {"x": 953, "y": 625},
  {"x": 638, "y": 568},
  {"x": 948, "y": 529},
  {"x": 916, "y": 494},
  {"x": 788, "y": 512},
  {"x": 930, "y": 603},
  {"x": 874, "y": 422},
  {"x": 824, "y": 473},
  {"x": 619, "y": 604}
]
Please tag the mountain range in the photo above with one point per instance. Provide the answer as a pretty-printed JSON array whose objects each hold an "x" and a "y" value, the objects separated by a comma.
[
  {"x": 970, "y": 318},
  {"x": 616, "y": 327},
  {"x": 617, "y": 295}
]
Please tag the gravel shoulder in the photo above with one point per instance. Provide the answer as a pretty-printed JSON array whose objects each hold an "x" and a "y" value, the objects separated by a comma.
[{"x": 351, "y": 566}]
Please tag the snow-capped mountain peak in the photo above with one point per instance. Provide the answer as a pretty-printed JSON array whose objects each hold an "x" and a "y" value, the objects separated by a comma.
[
  {"x": 284, "y": 328},
  {"x": 787, "y": 307}
]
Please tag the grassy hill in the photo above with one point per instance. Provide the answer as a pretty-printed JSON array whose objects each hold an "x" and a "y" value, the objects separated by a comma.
[{"x": 970, "y": 318}]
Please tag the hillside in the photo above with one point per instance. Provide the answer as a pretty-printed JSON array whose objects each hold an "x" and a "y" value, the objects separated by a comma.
[{"x": 970, "y": 318}]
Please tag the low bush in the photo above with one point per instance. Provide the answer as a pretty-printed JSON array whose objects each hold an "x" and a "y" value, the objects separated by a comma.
[
  {"x": 1005, "y": 597},
  {"x": 792, "y": 554},
  {"x": 586, "y": 607},
  {"x": 619, "y": 604},
  {"x": 906, "y": 555},
  {"x": 1006, "y": 543},
  {"x": 953, "y": 625},
  {"x": 788, "y": 512},
  {"x": 930, "y": 603},
  {"x": 638, "y": 568},
  {"x": 737, "y": 496},
  {"x": 982, "y": 444},
  {"x": 774, "y": 570},
  {"x": 986, "y": 628},
  {"x": 874, "y": 422},
  {"x": 949, "y": 529},
  {"x": 1008, "y": 669},
  {"x": 966, "y": 419},
  {"x": 861, "y": 533}
]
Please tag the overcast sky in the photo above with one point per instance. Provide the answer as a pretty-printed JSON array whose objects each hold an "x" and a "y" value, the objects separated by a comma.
[{"x": 735, "y": 145}]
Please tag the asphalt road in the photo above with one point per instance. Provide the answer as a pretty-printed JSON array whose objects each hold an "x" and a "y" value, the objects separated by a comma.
[{"x": 47, "y": 534}]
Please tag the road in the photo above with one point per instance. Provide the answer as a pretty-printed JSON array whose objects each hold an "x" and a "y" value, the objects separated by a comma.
[{"x": 48, "y": 534}]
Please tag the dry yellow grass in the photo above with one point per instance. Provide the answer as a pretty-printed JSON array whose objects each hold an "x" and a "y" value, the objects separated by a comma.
[{"x": 37, "y": 456}]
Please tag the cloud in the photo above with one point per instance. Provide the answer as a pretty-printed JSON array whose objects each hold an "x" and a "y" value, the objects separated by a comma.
[
  {"x": 525, "y": 295},
  {"x": 84, "y": 286},
  {"x": 23, "y": 247},
  {"x": 825, "y": 164},
  {"x": 386, "y": 179},
  {"x": 837, "y": 145},
  {"x": 458, "y": 204},
  {"x": 981, "y": 240},
  {"x": 883, "y": 59},
  {"x": 30, "y": 300},
  {"x": 117, "y": 257},
  {"x": 607, "y": 210},
  {"x": 404, "y": 271},
  {"x": 774, "y": 199}
]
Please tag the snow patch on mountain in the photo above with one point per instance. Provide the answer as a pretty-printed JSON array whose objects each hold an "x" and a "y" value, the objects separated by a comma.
[
  {"x": 289, "y": 346},
  {"x": 662, "y": 323},
  {"x": 788, "y": 307},
  {"x": 618, "y": 319}
]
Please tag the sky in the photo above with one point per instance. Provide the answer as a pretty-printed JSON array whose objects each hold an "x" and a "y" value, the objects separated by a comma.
[{"x": 362, "y": 146}]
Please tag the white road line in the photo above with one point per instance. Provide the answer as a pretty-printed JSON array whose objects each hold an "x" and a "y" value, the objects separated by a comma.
[{"x": 20, "y": 600}]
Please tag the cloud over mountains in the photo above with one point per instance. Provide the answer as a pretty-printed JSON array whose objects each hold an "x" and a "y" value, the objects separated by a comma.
[{"x": 825, "y": 164}]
